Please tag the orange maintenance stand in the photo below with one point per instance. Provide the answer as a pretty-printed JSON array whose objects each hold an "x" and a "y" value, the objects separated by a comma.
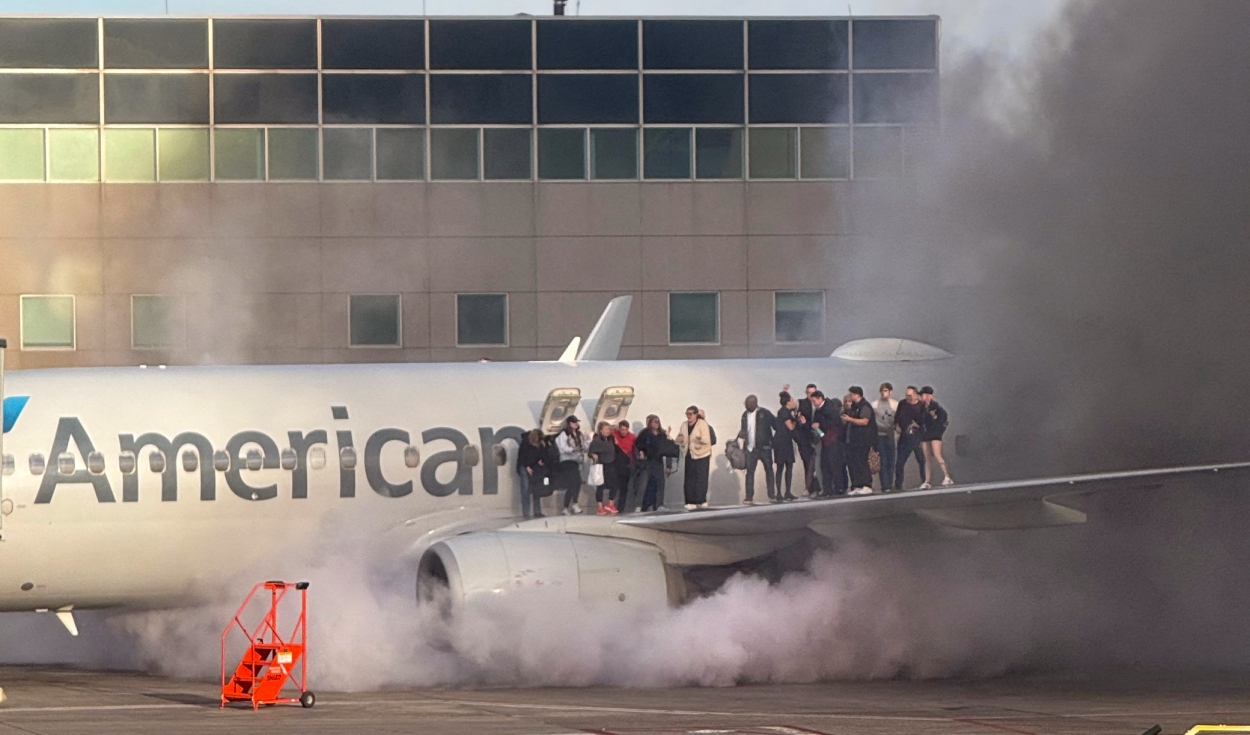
[{"x": 272, "y": 660}]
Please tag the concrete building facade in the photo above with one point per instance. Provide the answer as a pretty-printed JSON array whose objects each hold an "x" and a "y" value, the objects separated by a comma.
[{"x": 305, "y": 190}]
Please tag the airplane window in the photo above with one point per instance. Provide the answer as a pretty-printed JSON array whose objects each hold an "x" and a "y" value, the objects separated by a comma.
[
  {"x": 190, "y": 461},
  {"x": 95, "y": 463},
  {"x": 254, "y": 459},
  {"x": 126, "y": 463},
  {"x": 347, "y": 458},
  {"x": 317, "y": 458},
  {"x": 65, "y": 463},
  {"x": 471, "y": 456},
  {"x": 36, "y": 464},
  {"x": 156, "y": 462},
  {"x": 221, "y": 460},
  {"x": 289, "y": 459},
  {"x": 412, "y": 456},
  {"x": 9, "y": 464}
]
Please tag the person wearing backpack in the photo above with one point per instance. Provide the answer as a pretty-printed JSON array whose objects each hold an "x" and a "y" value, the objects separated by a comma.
[{"x": 696, "y": 439}]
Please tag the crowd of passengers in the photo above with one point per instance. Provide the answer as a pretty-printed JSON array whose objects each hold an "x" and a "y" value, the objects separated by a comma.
[{"x": 841, "y": 444}]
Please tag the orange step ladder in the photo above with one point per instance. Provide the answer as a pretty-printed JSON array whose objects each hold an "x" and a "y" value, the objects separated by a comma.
[{"x": 271, "y": 660}]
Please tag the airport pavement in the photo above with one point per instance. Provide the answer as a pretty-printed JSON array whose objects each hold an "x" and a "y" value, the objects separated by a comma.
[{"x": 61, "y": 701}]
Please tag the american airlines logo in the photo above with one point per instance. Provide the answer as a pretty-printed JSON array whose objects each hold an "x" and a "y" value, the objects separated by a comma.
[
  {"x": 251, "y": 451},
  {"x": 13, "y": 406}
]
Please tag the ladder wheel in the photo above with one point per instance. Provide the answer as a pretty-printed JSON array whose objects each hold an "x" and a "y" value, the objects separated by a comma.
[{"x": 307, "y": 699}]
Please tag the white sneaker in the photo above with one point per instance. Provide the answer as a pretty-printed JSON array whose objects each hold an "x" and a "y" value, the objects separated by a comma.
[
  {"x": 566, "y": 512},
  {"x": 925, "y": 486},
  {"x": 862, "y": 491},
  {"x": 947, "y": 482},
  {"x": 702, "y": 505},
  {"x": 577, "y": 509},
  {"x": 690, "y": 506}
]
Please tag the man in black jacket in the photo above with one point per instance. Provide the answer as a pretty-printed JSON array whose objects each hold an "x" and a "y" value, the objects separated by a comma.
[
  {"x": 806, "y": 441},
  {"x": 861, "y": 434},
  {"x": 756, "y": 435}
]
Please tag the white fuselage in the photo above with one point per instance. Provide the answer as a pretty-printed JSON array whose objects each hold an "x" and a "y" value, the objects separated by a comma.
[{"x": 111, "y": 540}]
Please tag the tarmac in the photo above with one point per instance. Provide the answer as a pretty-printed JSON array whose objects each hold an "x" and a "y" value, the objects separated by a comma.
[{"x": 64, "y": 701}]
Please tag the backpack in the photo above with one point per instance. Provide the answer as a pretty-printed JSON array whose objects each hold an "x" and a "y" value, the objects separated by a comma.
[
  {"x": 711, "y": 432},
  {"x": 736, "y": 455}
]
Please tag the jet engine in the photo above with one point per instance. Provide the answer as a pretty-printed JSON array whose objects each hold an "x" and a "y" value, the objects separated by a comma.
[{"x": 557, "y": 567}]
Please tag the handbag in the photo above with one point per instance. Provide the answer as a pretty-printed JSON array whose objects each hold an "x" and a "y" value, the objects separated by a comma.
[
  {"x": 595, "y": 476},
  {"x": 736, "y": 454},
  {"x": 874, "y": 461}
]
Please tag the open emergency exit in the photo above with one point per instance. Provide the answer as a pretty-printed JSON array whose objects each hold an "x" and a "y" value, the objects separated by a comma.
[
  {"x": 560, "y": 404},
  {"x": 613, "y": 405}
]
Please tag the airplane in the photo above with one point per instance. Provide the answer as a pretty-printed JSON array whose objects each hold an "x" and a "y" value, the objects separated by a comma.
[{"x": 143, "y": 488}]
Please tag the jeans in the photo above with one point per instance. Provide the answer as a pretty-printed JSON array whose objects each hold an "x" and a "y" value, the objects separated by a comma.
[
  {"x": 886, "y": 448},
  {"x": 908, "y": 444},
  {"x": 765, "y": 455},
  {"x": 528, "y": 498},
  {"x": 807, "y": 453}
]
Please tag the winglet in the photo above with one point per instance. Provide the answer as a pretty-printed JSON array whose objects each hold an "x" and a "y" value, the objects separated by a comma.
[
  {"x": 66, "y": 616},
  {"x": 604, "y": 342},
  {"x": 569, "y": 356}
]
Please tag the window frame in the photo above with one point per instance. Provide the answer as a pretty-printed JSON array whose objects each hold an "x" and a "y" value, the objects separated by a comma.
[
  {"x": 73, "y": 300},
  {"x": 669, "y": 328},
  {"x": 507, "y": 320},
  {"x": 181, "y": 338},
  {"x": 823, "y": 304},
  {"x": 399, "y": 323}
]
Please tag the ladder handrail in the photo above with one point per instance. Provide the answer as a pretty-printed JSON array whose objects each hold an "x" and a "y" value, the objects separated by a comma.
[{"x": 255, "y": 638}]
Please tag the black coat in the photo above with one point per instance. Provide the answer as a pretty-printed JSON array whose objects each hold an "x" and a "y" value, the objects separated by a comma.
[
  {"x": 783, "y": 437},
  {"x": 763, "y": 428},
  {"x": 861, "y": 435}
]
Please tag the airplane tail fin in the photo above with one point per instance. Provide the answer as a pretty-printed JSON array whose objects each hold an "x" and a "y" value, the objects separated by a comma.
[
  {"x": 569, "y": 356},
  {"x": 604, "y": 342}
]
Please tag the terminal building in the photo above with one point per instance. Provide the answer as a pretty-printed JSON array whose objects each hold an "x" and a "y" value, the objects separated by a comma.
[{"x": 308, "y": 190}]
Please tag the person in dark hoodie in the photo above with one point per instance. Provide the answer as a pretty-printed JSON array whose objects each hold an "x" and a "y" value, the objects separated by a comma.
[
  {"x": 861, "y": 435},
  {"x": 531, "y": 466},
  {"x": 649, "y": 448},
  {"x": 935, "y": 422},
  {"x": 909, "y": 418}
]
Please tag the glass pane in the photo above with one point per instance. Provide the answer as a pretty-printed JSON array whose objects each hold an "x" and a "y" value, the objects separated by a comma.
[
  {"x": 613, "y": 153},
  {"x": 825, "y": 153},
  {"x": 183, "y": 154},
  {"x": 481, "y": 319},
  {"x": 693, "y": 318},
  {"x": 240, "y": 154},
  {"x": 587, "y": 98},
  {"x": 265, "y": 98},
  {"x": 588, "y": 44},
  {"x": 130, "y": 155},
  {"x": 896, "y": 98},
  {"x": 133, "y": 43},
  {"x": 506, "y": 153},
  {"x": 43, "y": 43},
  {"x": 480, "y": 44},
  {"x": 453, "y": 153},
  {"x": 347, "y": 153},
  {"x": 50, "y": 98},
  {"x": 799, "y": 98},
  {"x": 47, "y": 321},
  {"x": 292, "y": 154},
  {"x": 373, "y": 98},
  {"x": 799, "y": 316},
  {"x": 401, "y": 154},
  {"x": 772, "y": 153},
  {"x": 562, "y": 153},
  {"x": 156, "y": 321},
  {"x": 374, "y": 321},
  {"x": 348, "y": 43},
  {"x": 797, "y": 44},
  {"x": 265, "y": 44},
  {"x": 692, "y": 44},
  {"x": 156, "y": 98},
  {"x": 666, "y": 153},
  {"x": 895, "y": 44},
  {"x": 718, "y": 153},
  {"x": 493, "y": 99},
  {"x": 73, "y": 155},
  {"x": 693, "y": 98},
  {"x": 21, "y": 155},
  {"x": 878, "y": 152}
]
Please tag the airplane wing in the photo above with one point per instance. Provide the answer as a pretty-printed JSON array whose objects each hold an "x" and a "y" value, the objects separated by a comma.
[{"x": 988, "y": 506}]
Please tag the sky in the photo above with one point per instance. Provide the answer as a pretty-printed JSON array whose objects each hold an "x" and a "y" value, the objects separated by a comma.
[{"x": 1007, "y": 25}]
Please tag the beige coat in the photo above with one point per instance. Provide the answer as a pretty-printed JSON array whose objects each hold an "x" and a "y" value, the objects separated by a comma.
[{"x": 701, "y": 442}]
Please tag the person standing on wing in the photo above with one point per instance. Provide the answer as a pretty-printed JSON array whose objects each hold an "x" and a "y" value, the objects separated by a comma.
[
  {"x": 909, "y": 418},
  {"x": 757, "y": 439},
  {"x": 572, "y": 449},
  {"x": 884, "y": 409},
  {"x": 785, "y": 430},
  {"x": 861, "y": 435},
  {"x": 695, "y": 440},
  {"x": 935, "y": 422}
]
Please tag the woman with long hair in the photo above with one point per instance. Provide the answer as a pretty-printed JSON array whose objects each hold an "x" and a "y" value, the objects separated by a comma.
[
  {"x": 603, "y": 453},
  {"x": 650, "y": 448},
  {"x": 783, "y": 444},
  {"x": 695, "y": 440},
  {"x": 572, "y": 449},
  {"x": 531, "y": 468}
]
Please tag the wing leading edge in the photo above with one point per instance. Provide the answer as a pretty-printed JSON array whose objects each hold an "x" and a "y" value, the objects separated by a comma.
[{"x": 1010, "y": 505}]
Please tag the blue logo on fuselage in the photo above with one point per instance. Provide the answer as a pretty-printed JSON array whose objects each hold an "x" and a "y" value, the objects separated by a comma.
[{"x": 13, "y": 406}]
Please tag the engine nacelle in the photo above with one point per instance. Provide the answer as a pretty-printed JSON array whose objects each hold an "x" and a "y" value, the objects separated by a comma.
[{"x": 561, "y": 567}]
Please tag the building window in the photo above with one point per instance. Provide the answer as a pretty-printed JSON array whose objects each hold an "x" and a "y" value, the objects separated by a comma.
[
  {"x": 375, "y": 320},
  {"x": 694, "y": 318},
  {"x": 718, "y": 153},
  {"x": 47, "y": 322},
  {"x": 182, "y": 154},
  {"x": 506, "y": 153},
  {"x": 825, "y": 153},
  {"x": 156, "y": 322},
  {"x": 293, "y": 154},
  {"x": 240, "y": 154},
  {"x": 613, "y": 153},
  {"x": 878, "y": 153},
  {"x": 400, "y": 154},
  {"x": 21, "y": 154},
  {"x": 454, "y": 154},
  {"x": 73, "y": 155},
  {"x": 481, "y": 319},
  {"x": 347, "y": 154},
  {"x": 562, "y": 153},
  {"x": 799, "y": 316},
  {"x": 130, "y": 154},
  {"x": 773, "y": 153},
  {"x": 666, "y": 153}
]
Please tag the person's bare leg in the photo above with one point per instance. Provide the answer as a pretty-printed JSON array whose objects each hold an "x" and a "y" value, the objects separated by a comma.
[
  {"x": 936, "y": 446},
  {"x": 927, "y": 476}
]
